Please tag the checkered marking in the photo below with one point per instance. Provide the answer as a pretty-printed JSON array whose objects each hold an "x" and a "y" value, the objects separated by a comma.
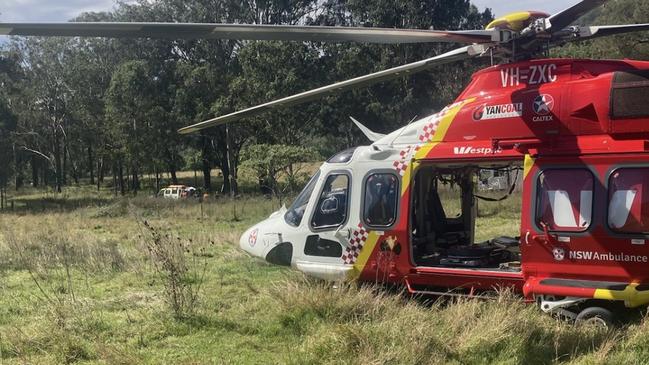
[
  {"x": 431, "y": 127},
  {"x": 405, "y": 156},
  {"x": 356, "y": 243},
  {"x": 429, "y": 131}
]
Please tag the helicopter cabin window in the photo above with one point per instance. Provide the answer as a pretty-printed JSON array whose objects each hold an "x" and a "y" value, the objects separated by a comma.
[
  {"x": 295, "y": 213},
  {"x": 629, "y": 95},
  {"x": 381, "y": 199},
  {"x": 628, "y": 200},
  {"x": 565, "y": 199},
  {"x": 331, "y": 209}
]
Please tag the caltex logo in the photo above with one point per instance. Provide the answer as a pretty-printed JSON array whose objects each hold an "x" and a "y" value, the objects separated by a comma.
[
  {"x": 558, "y": 253},
  {"x": 543, "y": 104}
]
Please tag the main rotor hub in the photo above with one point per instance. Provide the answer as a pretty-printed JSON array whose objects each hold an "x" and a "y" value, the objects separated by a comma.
[{"x": 518, "y": 21}]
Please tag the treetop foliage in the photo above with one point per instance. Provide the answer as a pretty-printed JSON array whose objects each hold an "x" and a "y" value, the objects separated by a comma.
[{"x": 79, "y": 109}]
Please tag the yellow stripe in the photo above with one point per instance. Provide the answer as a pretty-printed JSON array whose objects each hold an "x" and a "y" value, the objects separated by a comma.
[
  {"x": 438, "y": 136},
  {"x": 527, "y": 165},
  {"x": 630, "y": 295},
  {"x": 364, "y": 255},
  {"x": 373, "y": 237},
  {"x": 406, "y": 178}
]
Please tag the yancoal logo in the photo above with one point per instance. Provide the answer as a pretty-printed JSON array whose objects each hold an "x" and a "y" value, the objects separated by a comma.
[
  {"x": 479, "y": 112},
  {"x": 486, "y": 112},
  {"x": 559, "y": 253},
  {"x": 470, "y": 150},
  {"x": 542, "y": 106}
]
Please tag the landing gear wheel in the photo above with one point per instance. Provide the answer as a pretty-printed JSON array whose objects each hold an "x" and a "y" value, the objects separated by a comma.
[{"x": 596, "y": 317}]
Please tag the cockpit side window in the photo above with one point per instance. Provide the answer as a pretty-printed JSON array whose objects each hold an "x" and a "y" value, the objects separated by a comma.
[
  {"x": 295, "y": 213},
  {"x": 332, "y": 206},
  {"x": 381, "y": 198}
]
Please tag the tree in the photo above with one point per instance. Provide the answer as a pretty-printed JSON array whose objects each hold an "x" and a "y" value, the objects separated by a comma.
[
  {"x": 633, "y": 45},
  {"x": 93, "y": 61},
  {"x": 7, "y": 128},
  {"x": 89, "y": 103},
  {"x": 269, "y": 161},
  {"x": 197, "y": 89},
  {"x": 8, "y": 77},
  {"x": 45, "y": 105},
  {"x": 389, "y": 105},
  {"x": 127, "y": 107}
]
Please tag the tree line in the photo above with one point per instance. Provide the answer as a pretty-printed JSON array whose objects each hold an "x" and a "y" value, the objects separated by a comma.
[{"x": 84, "y": 110}]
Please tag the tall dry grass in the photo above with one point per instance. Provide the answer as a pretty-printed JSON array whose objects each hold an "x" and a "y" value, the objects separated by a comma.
[
  {"x": 108, "y": 302},
  {"x": 351, "y": 324}
]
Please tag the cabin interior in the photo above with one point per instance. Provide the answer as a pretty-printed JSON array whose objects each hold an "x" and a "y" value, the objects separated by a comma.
[{"x": 453, "y": 213}]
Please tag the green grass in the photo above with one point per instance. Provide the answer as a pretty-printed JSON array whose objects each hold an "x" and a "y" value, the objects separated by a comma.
[{"x": 78, "y": 285}]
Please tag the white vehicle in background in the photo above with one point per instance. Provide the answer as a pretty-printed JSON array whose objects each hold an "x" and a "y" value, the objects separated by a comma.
[{"x": 177, "y": 192}]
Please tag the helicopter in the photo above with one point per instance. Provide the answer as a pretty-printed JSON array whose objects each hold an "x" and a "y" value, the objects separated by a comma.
[{"x": 577, "y": 129}]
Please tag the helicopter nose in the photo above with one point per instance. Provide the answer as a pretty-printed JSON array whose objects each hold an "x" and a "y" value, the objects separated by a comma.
[
  {"x": 250, "y": 242},
  {"x": 255, "y": 242}
]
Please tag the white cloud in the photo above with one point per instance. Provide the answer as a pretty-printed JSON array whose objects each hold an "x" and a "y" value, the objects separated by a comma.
[
  {"x": 43, "y": 10},
  {"x": 500, "y": 7},
  {"x": 62, "y": 10}
]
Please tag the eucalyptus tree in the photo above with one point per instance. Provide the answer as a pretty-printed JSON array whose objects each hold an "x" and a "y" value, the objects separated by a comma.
[
  {"x": 45, "y": 108},
  {"x": 91, "y": 64},
  {"x": 7, "y": 153},
  {"x": 181, "y": 66},
  {"x": 388, "y": 105},
  {"x": 632, "y": 45},
  {"x": 9, "y": 76},
  {"x": 134, "y": 115},
  {"x": 199, "y": 87},
  {"x": 221, "y": 92}
]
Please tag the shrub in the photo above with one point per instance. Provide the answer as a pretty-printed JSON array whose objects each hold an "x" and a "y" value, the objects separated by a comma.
[{"x": 183, "y": 278}]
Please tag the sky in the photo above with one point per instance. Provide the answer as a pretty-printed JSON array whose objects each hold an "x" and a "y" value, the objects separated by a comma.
[
  {"x": 48, "y": 10},
  {"x": 62, "y": 10},
  {"x": 502, "y": 7}
]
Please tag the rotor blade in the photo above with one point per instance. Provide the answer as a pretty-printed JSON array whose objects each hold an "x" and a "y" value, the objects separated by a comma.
[
  {"x": 245, "y": 31},
  {"x": 607, "y": 30},
  {"x": 455, "y": 55},
  {"x": 564, "y": 18}
]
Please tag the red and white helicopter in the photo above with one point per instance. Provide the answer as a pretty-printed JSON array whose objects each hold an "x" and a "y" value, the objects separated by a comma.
[{"x": 579, "y": 129}]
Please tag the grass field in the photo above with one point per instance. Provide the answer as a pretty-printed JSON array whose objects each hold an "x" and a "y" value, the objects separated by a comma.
[{"x": 89, "y": 278}]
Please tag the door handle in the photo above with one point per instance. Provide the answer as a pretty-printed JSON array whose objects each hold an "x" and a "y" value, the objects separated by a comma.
[
  {"x": 545, "y": 239},
  {"x": 345, "y": 233}
]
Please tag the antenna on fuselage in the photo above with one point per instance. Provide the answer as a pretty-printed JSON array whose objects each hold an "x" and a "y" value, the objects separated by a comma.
[{"x": 402, "y": 130}]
